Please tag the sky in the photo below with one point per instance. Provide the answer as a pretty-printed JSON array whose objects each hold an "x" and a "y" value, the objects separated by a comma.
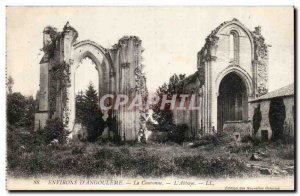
[
  {"x": 171, "y": 36},
  {"x": 85, "y": 75}
]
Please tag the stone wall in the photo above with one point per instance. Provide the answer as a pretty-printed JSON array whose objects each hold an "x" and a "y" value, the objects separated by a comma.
[
  {"x": 214, "y": 63},
  {"x": 265, "y": 121},
  {"x": 192, "y": 118},
  {"x": 120, "y": 71},
  {"x": 238, "y": 130},
  {"x": 40, "y": 120},
  {"x": 43, "y": 93}
]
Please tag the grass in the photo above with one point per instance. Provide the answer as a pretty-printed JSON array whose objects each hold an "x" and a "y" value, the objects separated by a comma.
[
  {"x": 131, "y": 161},
  {"x": 214, "y": 159}
]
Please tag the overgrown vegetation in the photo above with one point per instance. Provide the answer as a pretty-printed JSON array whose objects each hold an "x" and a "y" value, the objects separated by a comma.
[
  {"x": 90, "y": 160},
  {"x": 55, "y": 129},
  {"x": 164, "y": 116},
  {"x": 59, "y": 76},
  {"x": 32, "y": 153},
  {"x": 215, "y": 156},
  {"x": 20, "y": 110}
]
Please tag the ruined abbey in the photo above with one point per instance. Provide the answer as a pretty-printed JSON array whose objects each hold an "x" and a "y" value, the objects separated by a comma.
[
  {"x": 232, "y": 71},
  {"x": 119, "y": 69}
]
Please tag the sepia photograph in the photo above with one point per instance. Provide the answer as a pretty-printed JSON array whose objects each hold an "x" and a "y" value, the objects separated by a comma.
[{"x": 150, "y": 98}]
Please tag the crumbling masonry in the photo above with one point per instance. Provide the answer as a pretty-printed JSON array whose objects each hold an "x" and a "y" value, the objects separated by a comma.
[{"x": 119, "y": 69}]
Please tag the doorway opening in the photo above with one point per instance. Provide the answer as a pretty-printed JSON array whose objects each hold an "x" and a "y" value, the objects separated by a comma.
[{"x": 232, "y": 100}]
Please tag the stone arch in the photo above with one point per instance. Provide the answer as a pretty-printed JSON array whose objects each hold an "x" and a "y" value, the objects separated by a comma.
[
  {"x": 232, "y": 100},
  {"x": 241, "y": 73},
  {"x": 103, "y": 64},
  {"x": 238, "y": 27},
  {"x": 227, "y": 99},
  {"x": 87, "y": 46},
  {"x": 101, "y": 57},
  {"x": 99, "y": 66}
]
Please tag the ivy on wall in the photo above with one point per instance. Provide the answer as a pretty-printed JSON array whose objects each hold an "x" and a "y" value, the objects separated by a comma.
[
  {"x": 140, "y": 88},
  {"x": 59, "y": 83}
]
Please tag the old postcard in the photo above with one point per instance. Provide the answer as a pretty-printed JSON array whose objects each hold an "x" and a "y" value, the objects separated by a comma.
[{"x": 150, "y": 98}]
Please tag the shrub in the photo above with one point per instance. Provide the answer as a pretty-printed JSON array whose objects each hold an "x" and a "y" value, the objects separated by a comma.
[
  {"x": 177, "y": 134},
  {"x": 14, "y": 139},
  {"x": 55, "y": 129},
  {"x": 20, "y": 110},
  {"x": 30, "y": 141}
]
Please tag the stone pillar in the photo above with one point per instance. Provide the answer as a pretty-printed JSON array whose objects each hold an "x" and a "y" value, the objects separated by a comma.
[
  {"x": 199, "y": 112},
  {"x": 260, "y": 63},
  {"x": 69, "y": 36},
  {"x": 206, "y": 100},
  {"x": 43, "y": 92},
  {"x": 41, "y": 116},
  {"x": 214, "y": 110},
  {"x": 129, "y": 58}
]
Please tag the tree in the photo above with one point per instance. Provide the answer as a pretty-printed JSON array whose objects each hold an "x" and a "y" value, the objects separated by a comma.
[
  {"x": 112, "y": 125},
  {"x": 165, "y": 117},
  {"x": 79, "y": 107},
  {"x": 30, "y": 111},
  {"x": 20, "y": 110},
  {"x": 91, "y": 98},
  {"x": 9, "y": 85},
  {"x": 89, "y": 114},
  {"x": 256, "y": 119}
]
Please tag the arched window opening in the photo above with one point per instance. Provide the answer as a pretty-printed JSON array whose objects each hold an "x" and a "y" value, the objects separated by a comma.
[
  {"x": 234, "y": 47},
  {"x": 85, "y": 74}
]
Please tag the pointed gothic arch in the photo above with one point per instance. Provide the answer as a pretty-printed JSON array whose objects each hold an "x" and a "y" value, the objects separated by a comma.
[
  {"x": 103, "y": 64},
  {"x": 234, "y": 88}
]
